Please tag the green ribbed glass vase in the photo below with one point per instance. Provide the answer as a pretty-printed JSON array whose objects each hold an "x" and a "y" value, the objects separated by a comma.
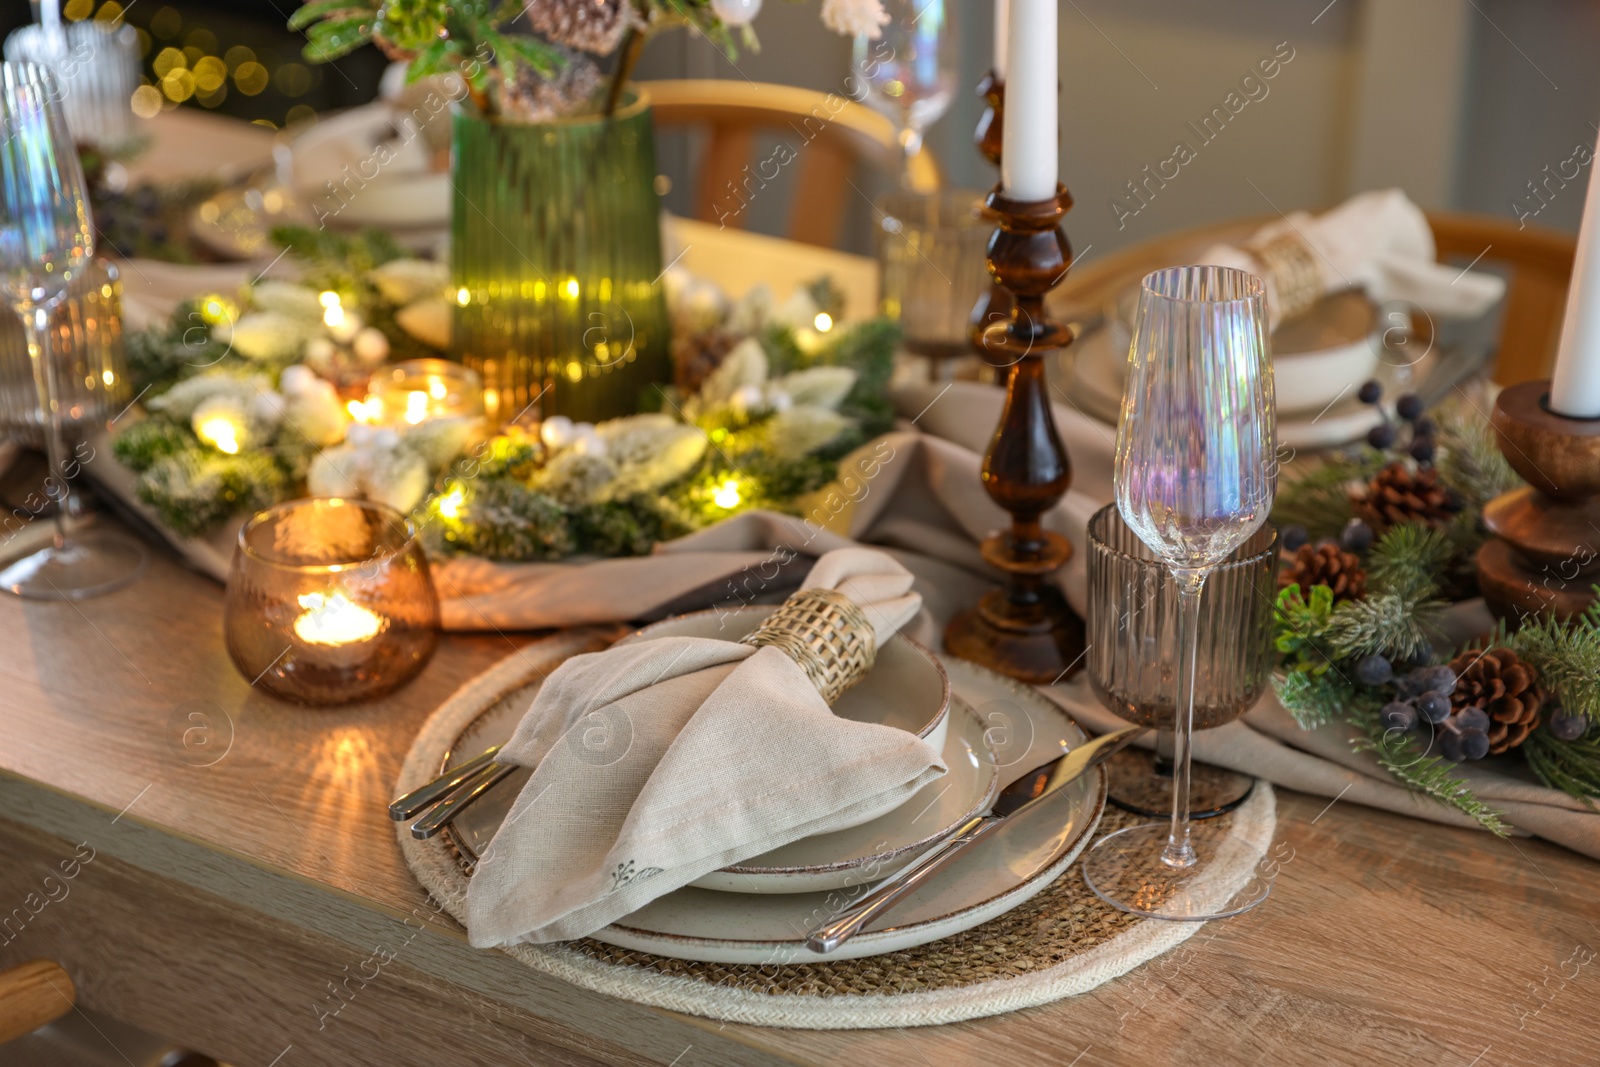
[{"x": 555, "y": 256}]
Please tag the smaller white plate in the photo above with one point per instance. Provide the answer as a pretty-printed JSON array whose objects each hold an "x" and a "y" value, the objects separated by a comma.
[{"x": 877, "y": 849}]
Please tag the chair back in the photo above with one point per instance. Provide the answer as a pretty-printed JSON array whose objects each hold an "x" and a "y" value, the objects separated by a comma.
[
  {"x": 823, "y": 136},
  {"x": 32, "y": 995},
  {"x": 1539, "y": 262}
]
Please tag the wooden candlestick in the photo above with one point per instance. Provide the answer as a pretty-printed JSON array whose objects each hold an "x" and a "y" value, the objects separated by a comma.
[
  {"x": 1544, "y": 557},
  {"x": 994, "y": 306},
  {"x": 1026, "y": 629}
]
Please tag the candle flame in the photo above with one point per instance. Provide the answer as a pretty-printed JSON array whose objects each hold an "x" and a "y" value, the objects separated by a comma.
[
  {"x": 334, "y": 619},
  {"x": 416, "y": 406}
]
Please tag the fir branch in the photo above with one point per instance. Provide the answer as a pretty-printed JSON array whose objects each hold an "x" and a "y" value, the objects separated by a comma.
[
  {"x": 1470, "y": 462},
  {"x": 1570, "y": 766},
  {"x": 1319, "y": 498},
  {"x": 1408, "y": 761},
  {"x": 1313, "y": 699},
  {"x": 1405, "y": 562},
  {"x": 1567, "y": 656},
  {"x": 1386, "y": 624}
]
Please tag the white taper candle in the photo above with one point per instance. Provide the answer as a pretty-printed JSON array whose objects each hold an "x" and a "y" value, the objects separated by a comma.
[
  {"x": 1575, "y": 392},
  {"x": 1002, "y": 35},
  {"x": 1028, "y": 152}
]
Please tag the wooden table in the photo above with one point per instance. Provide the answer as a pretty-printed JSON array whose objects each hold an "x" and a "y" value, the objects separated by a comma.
[{"x": 243, "y": 867}]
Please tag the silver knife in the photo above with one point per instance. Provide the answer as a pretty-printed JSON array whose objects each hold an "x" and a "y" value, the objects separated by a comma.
[{"x": 1032, "y": 788}]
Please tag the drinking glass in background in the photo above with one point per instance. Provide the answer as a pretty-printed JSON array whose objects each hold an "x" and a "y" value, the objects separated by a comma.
[
  {"x": 86, "y": 347},
  {"x": 909, "y": 72},
  {"x": 95, "y": 66},
  {"x": 1133, "y": 653},
  {"x": 1195, "y": 476},
  {"x": 46, "y": 242},
  {"x": 932, "y": 269}
]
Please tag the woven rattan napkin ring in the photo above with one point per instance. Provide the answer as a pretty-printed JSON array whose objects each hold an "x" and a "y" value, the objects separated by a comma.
[
  {"x": 1288, "y": 260},
  {"x": 826, "y": 633}
]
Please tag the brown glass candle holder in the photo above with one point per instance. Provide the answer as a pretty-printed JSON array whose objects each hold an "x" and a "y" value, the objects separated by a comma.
[
  {"x": 1025, "y": 629},
  {"x": 1544, "y": 558},
  {"x": 994, "y": 306},
  {"x": 329, "y": 601}
]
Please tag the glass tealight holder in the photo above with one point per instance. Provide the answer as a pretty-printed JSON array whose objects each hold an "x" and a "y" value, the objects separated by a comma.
[
  {"x": 96, "y": 64},
  {"x": 932, "y": 270},
  {"x": 421, "y": 390},
  {"x": 329, "y": 601},
  {"x": 91, "y": 377},
  {"x": 1133, "y": 658}
]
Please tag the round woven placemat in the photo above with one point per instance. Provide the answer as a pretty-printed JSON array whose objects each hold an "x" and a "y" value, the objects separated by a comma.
[{"x": 1061, "y": 942}]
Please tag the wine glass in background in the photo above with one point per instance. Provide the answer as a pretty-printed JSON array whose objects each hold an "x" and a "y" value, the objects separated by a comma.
[
  {"x": 46, "y": 241},
  {"x": 909, "y": 73},
  {"x": 1195, "y": 476}
]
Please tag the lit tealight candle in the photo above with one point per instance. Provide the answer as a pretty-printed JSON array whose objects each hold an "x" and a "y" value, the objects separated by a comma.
[{"x": 333, "y": 619}]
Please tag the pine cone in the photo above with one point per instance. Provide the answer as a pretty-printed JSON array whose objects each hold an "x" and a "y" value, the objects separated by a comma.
[
  {"x": 1327, "y": 564},
  {"x": 594, "y": 26},
  {"x": 1399, "y": 494},
  {"x": 696, "y": 355},
  {"x": 1506, "y": 687}
]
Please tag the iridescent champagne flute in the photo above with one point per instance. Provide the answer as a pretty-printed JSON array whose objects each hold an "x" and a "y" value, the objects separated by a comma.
[
  {"x": 1133, "y": 654},
  {"x": 46, "y": 241},
  {"x": 909, "y": 72},
  {"x": 1195, "y": 477}
]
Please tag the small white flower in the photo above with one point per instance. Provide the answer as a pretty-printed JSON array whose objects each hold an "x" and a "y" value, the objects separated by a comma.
[
  {"x": 803, "y": 430},
  {"x": 266, "y": 410},
  {"x": 405, "y": 281},
  {"x": 747, "y": 399},
  {"x": 556, "y": 431},
  {"x": 823, "y": 387},
  {"x": 799, "y": 312},
  {"x": 320, "y": 353},
  {"x": 736, "y": 12},
  {"x": 428, "y": 321},
  {"x": 587, "y": 442},
  {"x": 370, "y": 346},
  {"x": 855, "y": 18},
  {"x": 312, "y": 408},
  {"x": 778, "y": 400},
  {"x": 575, "y": 478},
  {"x": 286, "y": 298},
  {"x": 267, "y": 335},
  {"x": 745, "y": 365}
]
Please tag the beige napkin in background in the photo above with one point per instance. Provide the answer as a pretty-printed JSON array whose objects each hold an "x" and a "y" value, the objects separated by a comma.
[
  {"x": 661, "y": 761},
  {"x": 1377, "y": 241}
]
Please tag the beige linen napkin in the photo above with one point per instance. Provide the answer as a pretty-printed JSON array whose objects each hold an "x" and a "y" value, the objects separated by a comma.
[
  {"x": 660, "y": 761},
  {"x": 1378, "y": 241}
]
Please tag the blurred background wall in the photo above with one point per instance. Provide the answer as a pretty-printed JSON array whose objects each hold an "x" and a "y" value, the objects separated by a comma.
[{"x": 1462, "y": 102}]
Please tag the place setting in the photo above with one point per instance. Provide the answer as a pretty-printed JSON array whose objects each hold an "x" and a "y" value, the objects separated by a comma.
[{"x": 740, "y": 626}]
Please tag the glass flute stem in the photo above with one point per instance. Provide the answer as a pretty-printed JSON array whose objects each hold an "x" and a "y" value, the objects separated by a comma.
[
  {"x": 36, "y": 326},
  {"x": 1179, "y": 852}
]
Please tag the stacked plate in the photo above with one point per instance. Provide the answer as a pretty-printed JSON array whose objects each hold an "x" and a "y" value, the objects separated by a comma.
[
  {"x": 1319, "y": 363},
  {"x": 991, "y": 730}
]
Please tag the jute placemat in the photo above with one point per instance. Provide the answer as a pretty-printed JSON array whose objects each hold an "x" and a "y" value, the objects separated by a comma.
[{"x": 1062, "y": 942}]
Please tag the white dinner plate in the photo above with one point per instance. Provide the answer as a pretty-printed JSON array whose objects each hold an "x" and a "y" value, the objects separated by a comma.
[
  {"x": 1093, "y": 381},
  {"x": 995, "y": 875},
  {"x": 368, "y": 167},
  {"x": 875, "y": 850}
]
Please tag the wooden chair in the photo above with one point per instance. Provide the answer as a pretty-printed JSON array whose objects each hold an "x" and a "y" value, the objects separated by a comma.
[
  {"x": 1540, "y": 267},
  {"x": 32, "y": 995},
  {"x": 827, "y": 134}
]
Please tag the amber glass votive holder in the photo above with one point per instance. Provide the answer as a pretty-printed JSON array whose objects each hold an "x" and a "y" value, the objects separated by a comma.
[
  {"x": 329, "y": 601},
  {"x": 420, "y": 390}
]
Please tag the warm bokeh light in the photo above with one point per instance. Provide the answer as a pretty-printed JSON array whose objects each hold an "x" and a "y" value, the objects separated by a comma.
[{"x": 220, "y": 433}]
